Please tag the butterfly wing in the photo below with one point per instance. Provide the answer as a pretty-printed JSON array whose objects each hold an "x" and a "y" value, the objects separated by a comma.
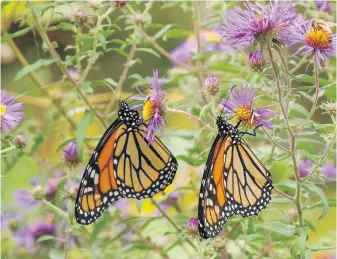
[
  {"x": 249, "y": 183},
  {"x": 234, "y": 182},
  {"x": 98, "y": 188},
  {"x": 143, "y": 169},
  {"x": 212, "y": 199},
  {"x": 123, "y": 165}
]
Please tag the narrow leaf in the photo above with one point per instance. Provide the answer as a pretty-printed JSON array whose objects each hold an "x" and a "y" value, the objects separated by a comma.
[
  {"x": 32, "y": 67},
  {"x": 313, "y": 188},
  {"x": 278, "y": 227}
]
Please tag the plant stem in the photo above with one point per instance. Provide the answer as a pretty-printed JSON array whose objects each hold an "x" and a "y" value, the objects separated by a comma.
[
  {"x": 160, "y": 49},
  {"x": 320, "y": 162},
  {"x": 299, "y": 205},
  {"x": 191, "y": 116},
  {"x": 122, "y": 78},
  {"x": 274, "y": 142},
  {"x": 177, "y": 228},
  {"x": 38, "y": 82},
  {"x": 314, "y": 105},
  {"x": 60, "y": 64},
  {"x": 57, "y": 210},
  {"x": 94, "y": 55},
  {"x": 283, "y": 194},
  {"x": 7, "y": 149}
]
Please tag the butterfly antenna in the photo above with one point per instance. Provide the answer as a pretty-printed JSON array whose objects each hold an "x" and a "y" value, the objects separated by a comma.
[
  {"x": 209, "y": 106},
  {"x": 226, "y": 100},
  {"x": 139, "y": 91}
]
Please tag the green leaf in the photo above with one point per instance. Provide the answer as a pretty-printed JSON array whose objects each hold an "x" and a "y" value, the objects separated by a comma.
[
  {"x": 8, "y": 36},
  {"x": 278, "y": 227},
  {"x": 298, "y": 108},
  {"x": 81, "y": 131},
  {"x": 44, "y": 238},
  {"x": 162, "y": 31},
  {"x": 320, "y": 248},
  {"x": 310, "y": 187},
  {"x": 63, "y": 26},
  {"x": 310, "y": 79},
  {"x": 177, "y": 33},
  {"x": 302, "y": 239},
  {"x": 32, "y": 67},
  {"x": 102, "y": 40},
  {"x": 148, "y": 50}
]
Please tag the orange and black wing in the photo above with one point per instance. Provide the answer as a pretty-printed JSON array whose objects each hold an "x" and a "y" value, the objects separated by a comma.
[
  {"x": 98, "y": 188},
  {"x": 142, "y": 169},
  {"x": 234, "y": 182}
]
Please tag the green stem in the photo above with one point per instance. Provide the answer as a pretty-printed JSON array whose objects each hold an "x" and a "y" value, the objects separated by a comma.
[
  {"x": 322, "y": 159},
  {"x": 298, "y": 204},
  {"x": 94, "y": 56},
  {"x": 122, "y": 78},
  {"x": 57, "y": 210},
  {"x": 314, "y": 104},
  {"x": 7, "y": 149},
  {"x": 59, "y": 62},
  {"x": 191, "y": 116}
]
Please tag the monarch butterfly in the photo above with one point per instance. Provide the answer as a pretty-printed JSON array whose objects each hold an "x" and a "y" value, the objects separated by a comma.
[
  {"x": 235, "y": 182},
  {"x": 123, "y": 164}
]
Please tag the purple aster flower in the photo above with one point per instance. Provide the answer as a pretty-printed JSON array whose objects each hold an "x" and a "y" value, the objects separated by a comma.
[
  {"x": 164, "y": 206},
  {"x": 11, "y": 221},
  {"x": 241, "y": 105},
  {"x": 70, "y": 153},
  {"x": 174, "y": 196},
  {"x": 186, "y": 50},
  {"x": 323, "y": 6},
  {"x": 153, "y": 107},
  {"x": 316, "y": 39},
  {"x": 329, "y": 171},
  {"x": 10, "y": 116},
  {"x": 256, "y": 60},
  {"x": 124, "y": 207},
  {"x": 52, "y": 184},
  {"x": 305, "y": 167},
  {"x": 243, "y": 28},
  {"x": 27, "y": 237},
  {"x": 192, "y": 225},
  {"x": 212, "y": 85}
]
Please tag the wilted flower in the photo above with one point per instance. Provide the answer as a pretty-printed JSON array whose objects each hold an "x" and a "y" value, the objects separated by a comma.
[
  {"x": 153, "y": 107},
  {"x": 212, "y": 85},
  {"x": 10, "y": 116},
  {"x": 256, "y": 60},
  {"x": 258, "y": 23},
  {"x": 20, "y": 141},
  {"x": 192, "y": 225},
  {"x": 323, "y": 6},
  {"x": 317, "y": 41},
  {"x": 329, "y": 170},
  {"x": 305, "y": 167},
  {"x": 70, "y": 153},
  {"x": 186, "y": 50},
  {"x": 329, "y": 108},
  {"x": 120, "y": 3},
  {"x": 241, "y": 106}
]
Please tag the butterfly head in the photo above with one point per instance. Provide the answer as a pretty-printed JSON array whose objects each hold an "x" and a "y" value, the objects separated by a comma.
[
  {"x": 225, "y": 127},
  {"x": 129, "y": 116}
]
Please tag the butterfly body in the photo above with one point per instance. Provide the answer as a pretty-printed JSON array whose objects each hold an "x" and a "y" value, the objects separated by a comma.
[
  {"x": 123, "y": 165},
  {"x": 235, "y": 182}
]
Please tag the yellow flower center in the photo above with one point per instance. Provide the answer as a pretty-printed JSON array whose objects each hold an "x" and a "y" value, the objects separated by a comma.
[
  {"x": 244, "y": 113},
  {"x": 317, "y": 38},
  {"x": 2, "y": 109},
  {"x": 149, "y": 109}
]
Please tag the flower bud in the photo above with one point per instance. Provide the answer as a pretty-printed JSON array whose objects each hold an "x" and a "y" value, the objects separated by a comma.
[
  {"x": 192, "y": 225},
  {"x": 80, "y": 16},
  {"x": 212, "y": 85},
  {"x": 219, "y": 244},
  {"x": 256, "y": 60},
  {"x": 120, "y": 3},
  {"x": 38, "y": 192},
  {"x": 70, "y": 153},
  {"x": 20, "y": 141}
]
